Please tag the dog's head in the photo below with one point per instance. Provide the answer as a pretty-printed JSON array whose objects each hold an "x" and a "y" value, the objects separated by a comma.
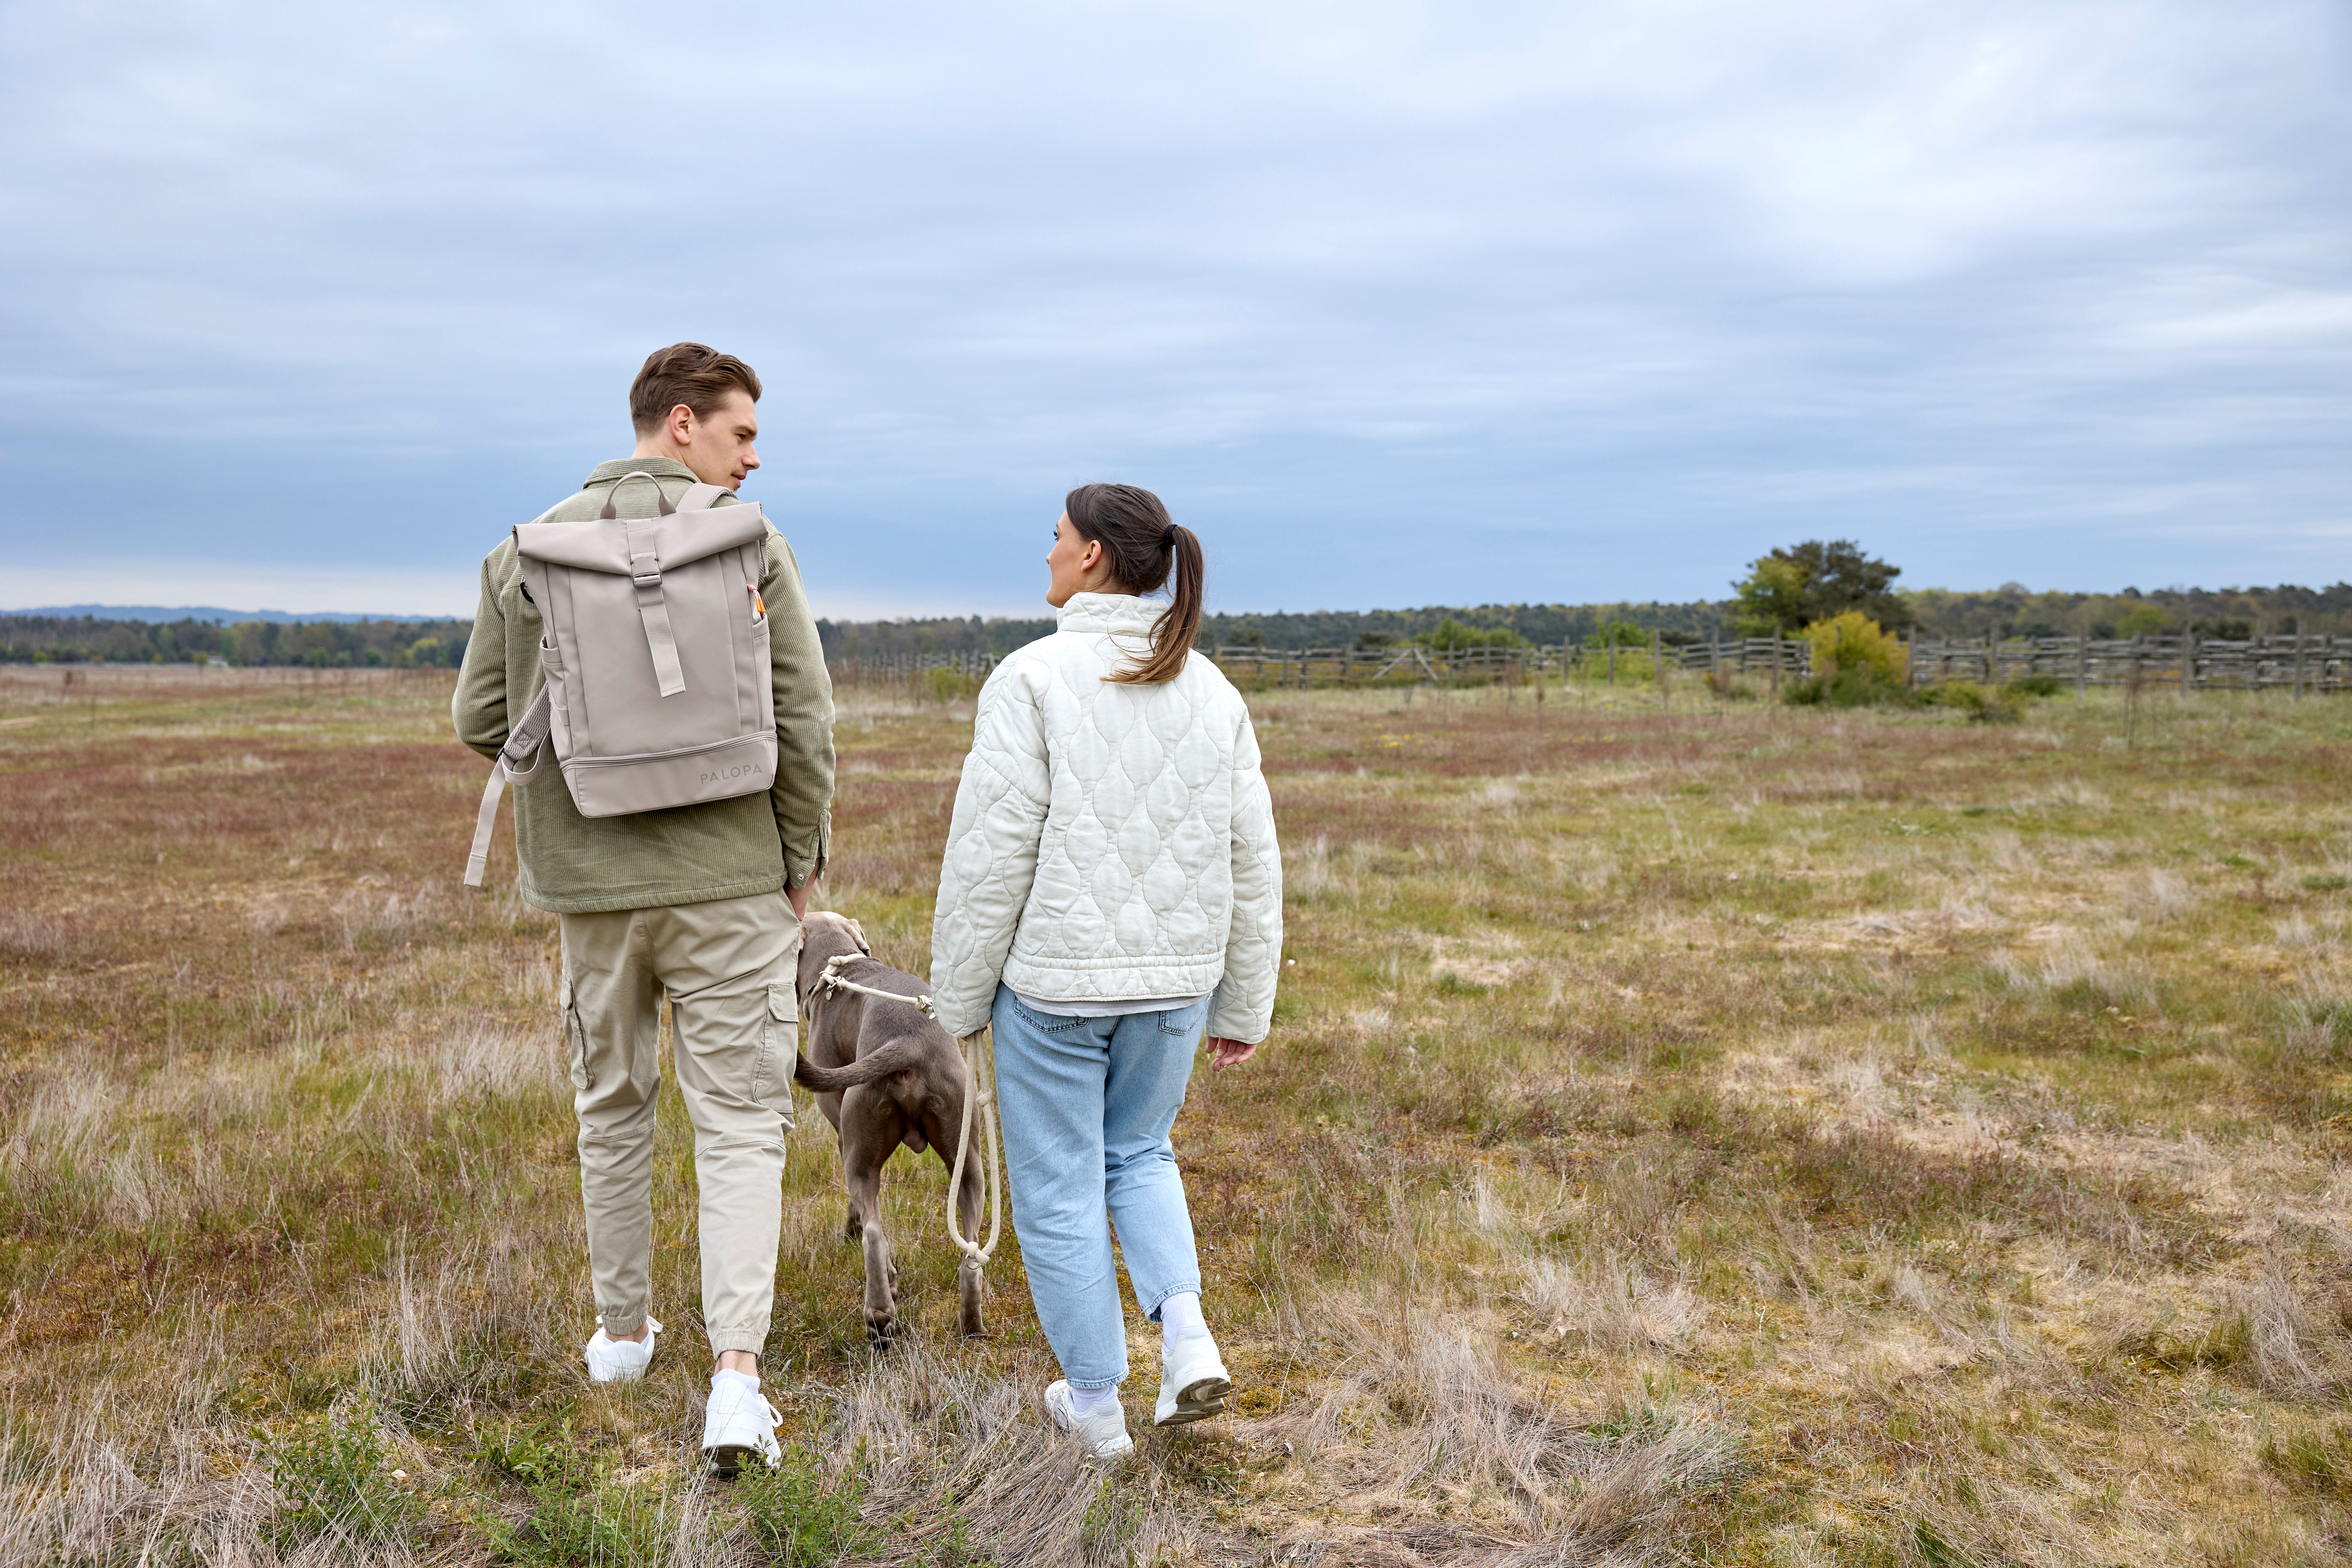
[{"x": 824, "y": 935}]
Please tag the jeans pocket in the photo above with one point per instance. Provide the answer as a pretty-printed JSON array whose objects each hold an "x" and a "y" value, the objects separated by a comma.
[
  {"x": 1184, "y": 1020},
  {"x": 1045, "y": 1023}
]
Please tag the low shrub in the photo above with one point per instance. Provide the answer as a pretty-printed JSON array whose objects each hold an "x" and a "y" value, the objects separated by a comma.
[
  {"x": 528, "y": 1453},
  {"x": 796, "y": 1518},
  {"x": 1861, "y": 686},
  {"x": 1853, "y": 641},
  {"x": 1982, "y": 704},
  {"x": 1856, "y": 663},
  {"x": 1729, "y": 686},
  {"x": 605, "y": 1526},
  {"x": 336, "y": 1480}
]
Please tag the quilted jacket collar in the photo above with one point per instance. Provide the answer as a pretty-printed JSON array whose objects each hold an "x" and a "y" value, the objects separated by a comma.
[{"x": 1116, "y": 613}]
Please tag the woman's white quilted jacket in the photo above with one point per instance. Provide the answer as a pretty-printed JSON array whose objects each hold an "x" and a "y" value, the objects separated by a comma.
[{"x": 1109, "y": 841}]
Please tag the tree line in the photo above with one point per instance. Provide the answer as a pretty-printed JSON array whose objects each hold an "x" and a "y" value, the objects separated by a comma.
[
  {"x": 1788, "y": 589},
  {"x": 325, "y": 645},
  {"x": 1803, "y": 584}
]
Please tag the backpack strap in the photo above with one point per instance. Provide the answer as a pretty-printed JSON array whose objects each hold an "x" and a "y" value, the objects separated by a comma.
[
  {"x": 526, "y": 741},
  {"x": 700, "y": 497},
  {"x": 645, "y": 569}
]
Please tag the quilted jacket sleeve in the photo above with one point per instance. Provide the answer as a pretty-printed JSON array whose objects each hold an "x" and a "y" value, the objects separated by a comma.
[
  {"x": 991, "y": 853},
  {"x": 1243, "y": 1008}
]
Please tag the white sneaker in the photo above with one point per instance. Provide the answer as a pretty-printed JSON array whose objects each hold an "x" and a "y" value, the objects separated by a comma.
[
  {"x": 621, "y": 1361},
  {"x": 1193, "y": 1381},
  {"x": 1103, "y": 1431},
  {"x": 738, "y": 1421}
]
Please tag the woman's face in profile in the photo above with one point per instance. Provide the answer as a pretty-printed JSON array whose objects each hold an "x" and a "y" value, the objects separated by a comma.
[{"x": 1076, "y": 565}]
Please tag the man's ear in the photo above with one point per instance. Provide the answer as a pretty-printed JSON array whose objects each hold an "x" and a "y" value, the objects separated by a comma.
[
  {"x": 859, "y": 932},
  {"x": 680, "y": 424}
]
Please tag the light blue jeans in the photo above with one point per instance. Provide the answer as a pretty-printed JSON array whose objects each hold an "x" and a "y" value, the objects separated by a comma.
[{"x": 1086, "y": 1105}]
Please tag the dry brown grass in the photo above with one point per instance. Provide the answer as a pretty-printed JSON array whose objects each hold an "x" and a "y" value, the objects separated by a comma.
[{"x": 1719, "y": 1135}]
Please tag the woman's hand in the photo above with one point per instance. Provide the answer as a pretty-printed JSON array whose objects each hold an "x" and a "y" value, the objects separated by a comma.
[{"x": 1225, "y": 1052}]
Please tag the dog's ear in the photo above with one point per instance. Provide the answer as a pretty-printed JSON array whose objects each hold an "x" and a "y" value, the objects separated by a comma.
[{"x": 859, "y": 932}]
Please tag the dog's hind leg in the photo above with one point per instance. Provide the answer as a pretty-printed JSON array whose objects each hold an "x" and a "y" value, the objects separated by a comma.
[{"x": 869, "y": 1132}]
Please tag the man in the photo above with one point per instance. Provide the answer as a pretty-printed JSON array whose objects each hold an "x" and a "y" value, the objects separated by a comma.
[{"x": 700, "y": 902}]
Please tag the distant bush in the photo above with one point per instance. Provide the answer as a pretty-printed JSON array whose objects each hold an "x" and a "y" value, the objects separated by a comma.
[
  {"x": 1729, "y": 686},
  {"x": 1982, "y": 704},
  {"x": 1856, "y": 663},
  {"x": 1624, "y": 633},
  {"x": 946, "y": 686},
  {"x": 1634, "y": 666},
  {"x": 2037, "y": 686},
  {"x": 1450, "y": 636},
  {"x": 1851, "y": 641},
  {"x": 1860, "y": 687}
]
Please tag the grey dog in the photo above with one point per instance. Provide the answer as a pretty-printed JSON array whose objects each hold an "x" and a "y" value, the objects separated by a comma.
[{"x": 885, "y": 1073}]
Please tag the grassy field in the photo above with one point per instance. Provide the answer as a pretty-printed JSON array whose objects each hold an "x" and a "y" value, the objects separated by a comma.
[{"x": 1716, "y": 1134}]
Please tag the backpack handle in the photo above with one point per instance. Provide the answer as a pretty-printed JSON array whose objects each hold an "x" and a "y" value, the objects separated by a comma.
[{"x": 613, "y": 495}]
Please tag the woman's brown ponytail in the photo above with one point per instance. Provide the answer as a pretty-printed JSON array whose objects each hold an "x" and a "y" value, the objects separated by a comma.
[{"x": 1145, "y": 549}]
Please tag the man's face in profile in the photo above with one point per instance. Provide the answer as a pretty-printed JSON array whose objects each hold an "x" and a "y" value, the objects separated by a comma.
[{"x": 719, "y": 449}]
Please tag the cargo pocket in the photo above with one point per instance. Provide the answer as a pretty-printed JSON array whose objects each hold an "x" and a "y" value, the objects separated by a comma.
[
  {"x": 575, "y": 1039},
  {"x": 780, "y": 1045}
]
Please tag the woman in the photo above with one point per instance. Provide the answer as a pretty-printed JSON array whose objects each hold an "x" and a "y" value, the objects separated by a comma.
[{"x": 1111, "y": 887}]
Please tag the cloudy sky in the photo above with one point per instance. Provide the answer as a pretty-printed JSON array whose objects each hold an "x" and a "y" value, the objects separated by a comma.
[{"x": 304, "y": 306}]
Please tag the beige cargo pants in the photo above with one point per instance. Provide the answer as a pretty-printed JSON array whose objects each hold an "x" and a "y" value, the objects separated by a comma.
[{"x": 728, "y": 967}]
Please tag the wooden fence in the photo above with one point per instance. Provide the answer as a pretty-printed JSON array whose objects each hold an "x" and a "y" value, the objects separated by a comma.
[{"x": 2289, "y": 663}]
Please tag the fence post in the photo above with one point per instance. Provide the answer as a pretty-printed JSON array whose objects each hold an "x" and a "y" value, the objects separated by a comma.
[
  {"x": 2188, "y": 663},
  {"x": 1775, "y": 664},
  {"x": 2298, "y": 662},
  {"x": 2082, "y": 668}
]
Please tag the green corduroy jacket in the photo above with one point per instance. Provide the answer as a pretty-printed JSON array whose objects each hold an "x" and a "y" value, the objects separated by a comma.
[{"x": 573, "y": 864}]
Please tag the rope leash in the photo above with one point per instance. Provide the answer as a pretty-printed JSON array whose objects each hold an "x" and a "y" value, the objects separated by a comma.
[
  {"x": 978, "y": 1058},
  {"x": 832, "y": 980}
]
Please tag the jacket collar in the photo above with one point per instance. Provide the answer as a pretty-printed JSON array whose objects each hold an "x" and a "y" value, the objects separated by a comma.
[
  {"x": 1124, "y": 613},
  {"x": 660, "y": 468}
]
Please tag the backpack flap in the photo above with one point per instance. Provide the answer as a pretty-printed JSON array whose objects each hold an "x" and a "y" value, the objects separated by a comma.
[{"x": 641, "y": 549}]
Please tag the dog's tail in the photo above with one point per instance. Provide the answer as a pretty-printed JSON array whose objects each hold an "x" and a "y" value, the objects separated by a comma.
[{"x": 905, "y": 1052}]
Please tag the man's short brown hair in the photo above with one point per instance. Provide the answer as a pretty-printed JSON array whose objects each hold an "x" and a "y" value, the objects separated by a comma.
[{"x": 690, "y": 374}]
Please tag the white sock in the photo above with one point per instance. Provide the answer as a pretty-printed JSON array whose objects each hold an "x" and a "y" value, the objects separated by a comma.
[
  {"x": 750, "y": 1382},
  {"x": 1179, "y": 1316},
  {"x": 1085, "y": 1402}
]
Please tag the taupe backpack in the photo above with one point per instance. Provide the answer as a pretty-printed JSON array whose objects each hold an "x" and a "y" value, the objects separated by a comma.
[{"x": 655, "y": 646}]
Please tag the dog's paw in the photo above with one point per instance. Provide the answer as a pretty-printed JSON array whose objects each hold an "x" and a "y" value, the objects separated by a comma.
[{"x": 879, "y": 1332}]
